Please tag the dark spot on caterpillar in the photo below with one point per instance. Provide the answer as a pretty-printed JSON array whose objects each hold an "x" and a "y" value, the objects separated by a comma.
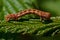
[
  {"x": 34, "y": 10},
  {"x": 21, "y": 12},
  {"x": 24, "y": 11},
  {"x": 38, "y": 11}
]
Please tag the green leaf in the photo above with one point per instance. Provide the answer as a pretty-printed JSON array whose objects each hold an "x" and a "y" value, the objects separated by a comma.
[
  {"x": 33, "y": 27},
  {"x": 30, "y": 26}
]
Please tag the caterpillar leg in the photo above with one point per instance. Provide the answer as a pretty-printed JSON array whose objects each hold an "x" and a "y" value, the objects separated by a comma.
[
  {"x": 7, "y": 18},
  {"x": 42, "y": 19},
  {"x": 16, "y": 19}
]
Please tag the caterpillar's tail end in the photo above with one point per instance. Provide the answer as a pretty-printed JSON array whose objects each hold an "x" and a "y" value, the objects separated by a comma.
[{"x": 7, "y": 18}]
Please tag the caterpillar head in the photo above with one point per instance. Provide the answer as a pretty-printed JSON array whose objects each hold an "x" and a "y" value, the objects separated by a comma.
[
  {"x": 7, "y": 17},
  {"x": 11, "y": 17}
]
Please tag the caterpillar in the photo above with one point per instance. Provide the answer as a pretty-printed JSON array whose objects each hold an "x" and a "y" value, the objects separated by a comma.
[{"x": 43, "y": 15}]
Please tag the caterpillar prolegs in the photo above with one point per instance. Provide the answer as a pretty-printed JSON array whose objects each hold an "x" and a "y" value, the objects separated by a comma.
[{"x": 43, "y": 15}]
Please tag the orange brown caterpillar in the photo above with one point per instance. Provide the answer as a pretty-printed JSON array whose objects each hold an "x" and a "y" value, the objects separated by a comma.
[{"x": 42, "y": 14}]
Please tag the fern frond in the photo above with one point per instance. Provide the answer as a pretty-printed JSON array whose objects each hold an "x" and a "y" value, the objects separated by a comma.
[{"x": 32, "y": 27}]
